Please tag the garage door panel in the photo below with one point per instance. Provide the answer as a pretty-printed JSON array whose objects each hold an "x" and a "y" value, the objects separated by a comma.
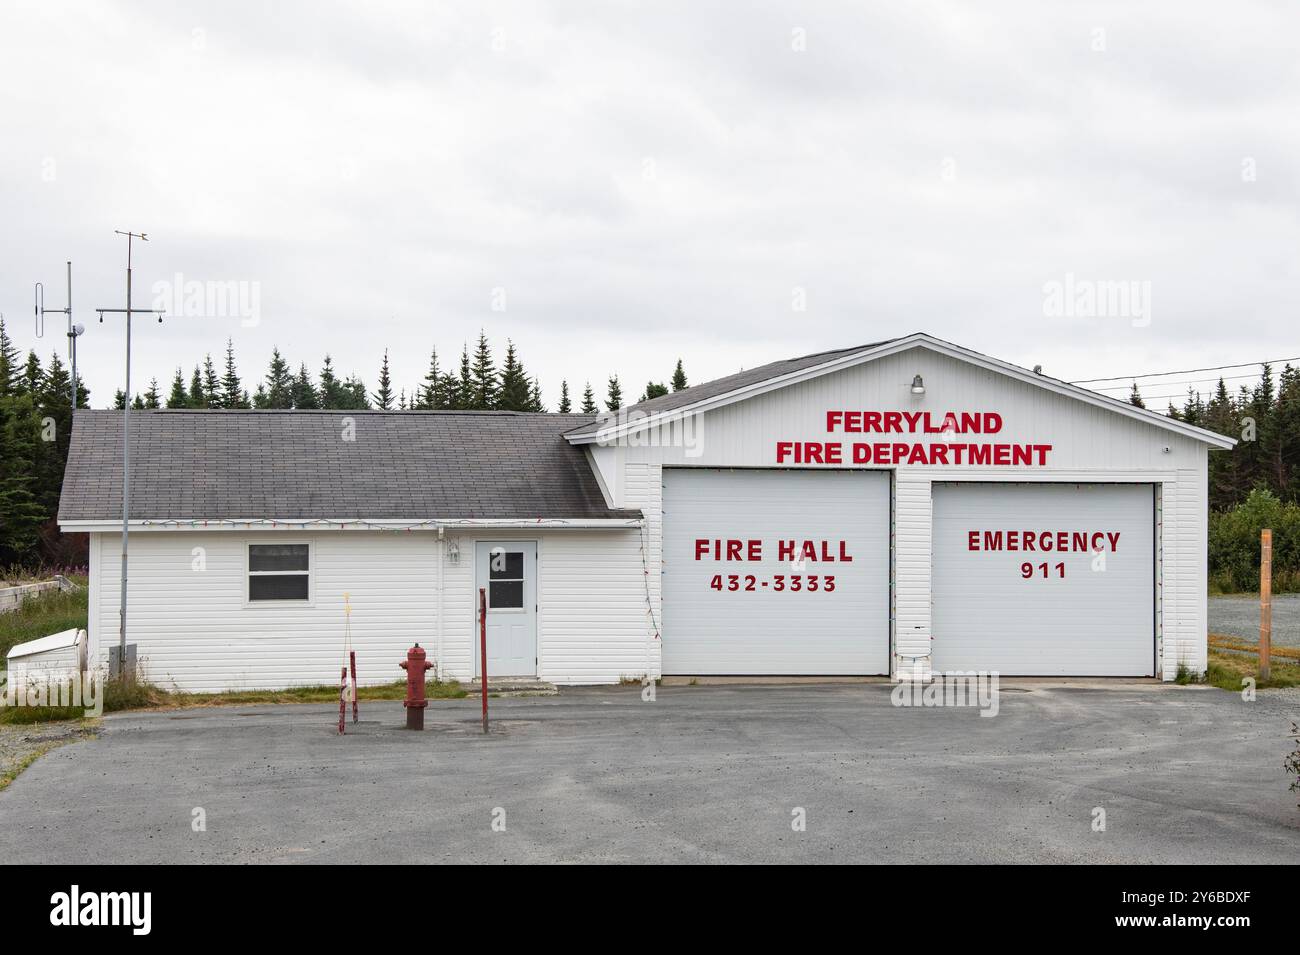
[
  {"x": 765, "y": 625},
  {"x": 1089, "y": 616}
]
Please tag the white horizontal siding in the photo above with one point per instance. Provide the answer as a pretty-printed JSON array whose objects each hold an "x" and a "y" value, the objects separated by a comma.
[{"x": 193, "y": 629}]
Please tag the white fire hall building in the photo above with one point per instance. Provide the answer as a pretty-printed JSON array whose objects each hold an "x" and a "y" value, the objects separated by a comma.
[{"x": 895, "y": 509}]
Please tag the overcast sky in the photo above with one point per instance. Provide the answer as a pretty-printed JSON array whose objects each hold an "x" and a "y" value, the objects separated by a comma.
[{"x": 617, "y": 185}]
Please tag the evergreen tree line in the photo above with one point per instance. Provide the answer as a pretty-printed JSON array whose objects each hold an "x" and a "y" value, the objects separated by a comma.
[
  {"x": 1257, "y": 483},
  {"x": 36, "y": 418},
  {"x": 35, "y": 427},
  {"x": 475, "y": 383}
]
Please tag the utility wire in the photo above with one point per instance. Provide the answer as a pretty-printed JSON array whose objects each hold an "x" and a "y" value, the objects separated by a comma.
[
  {"x": 1185, "y": 371},
  {"x": 1189, "y": 381}
]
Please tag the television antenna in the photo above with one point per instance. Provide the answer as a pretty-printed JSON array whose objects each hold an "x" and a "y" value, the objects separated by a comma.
[
  {"x": 123, "y": 663},
  {"x": 74, "y": 331}
]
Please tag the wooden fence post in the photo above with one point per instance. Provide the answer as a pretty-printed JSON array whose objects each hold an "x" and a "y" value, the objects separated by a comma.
[{"x": 1265, "y": 601}]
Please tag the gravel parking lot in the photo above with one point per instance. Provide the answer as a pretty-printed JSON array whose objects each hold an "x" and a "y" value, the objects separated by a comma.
[
  {"x": 1239, "y": 617},
  {"x": 703, "y": 774}
]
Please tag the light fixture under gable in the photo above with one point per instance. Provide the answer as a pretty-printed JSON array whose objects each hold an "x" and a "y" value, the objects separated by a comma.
[{"x": 918, "y": 386}]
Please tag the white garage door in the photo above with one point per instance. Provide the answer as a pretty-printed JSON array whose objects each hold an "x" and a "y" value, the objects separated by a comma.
[
  {"x": 1044, "y": 579},
  {"x": 776, "y": 572}
]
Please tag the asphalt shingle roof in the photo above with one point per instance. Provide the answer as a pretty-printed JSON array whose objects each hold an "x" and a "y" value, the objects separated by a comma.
[
  {"x": 728, "y": 384},
  {"x": 409, "y": 465}
]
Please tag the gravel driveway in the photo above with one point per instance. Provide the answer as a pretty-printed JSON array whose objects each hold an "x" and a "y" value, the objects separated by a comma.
[{"x": 703, "y": 774}]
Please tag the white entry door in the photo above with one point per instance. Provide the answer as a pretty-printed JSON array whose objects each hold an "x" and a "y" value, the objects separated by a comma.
[{"x": 508, "y": 571}]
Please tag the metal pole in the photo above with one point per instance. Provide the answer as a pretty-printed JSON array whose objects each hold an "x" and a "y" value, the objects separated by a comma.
[
  {"x": 126, "y": 442},
  {"x": 72, "y": 341},
  {"x": 126, "y": 470},
  {"x": 482, "y": 631}
]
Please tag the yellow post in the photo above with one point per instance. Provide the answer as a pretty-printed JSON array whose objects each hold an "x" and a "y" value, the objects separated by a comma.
[{"x": 1265, "y": 600}]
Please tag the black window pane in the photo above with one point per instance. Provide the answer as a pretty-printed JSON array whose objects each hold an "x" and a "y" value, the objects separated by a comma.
[
  {"x": 506, "y": 565},
  {"x": 506, "y": 594},
  {"x": 277, "y": 557},
  {"x": 278, "y": 587}
]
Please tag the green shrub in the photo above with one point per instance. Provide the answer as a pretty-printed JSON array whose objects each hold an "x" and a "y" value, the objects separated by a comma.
[{"x": 1234, "y": 544}]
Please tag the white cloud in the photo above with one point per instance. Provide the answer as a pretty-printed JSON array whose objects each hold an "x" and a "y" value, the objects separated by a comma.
[{"x": 652, "y": 182}]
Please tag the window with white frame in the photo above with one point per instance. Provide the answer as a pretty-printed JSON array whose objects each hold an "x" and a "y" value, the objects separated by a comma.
[{"x": 279, "y": 572}]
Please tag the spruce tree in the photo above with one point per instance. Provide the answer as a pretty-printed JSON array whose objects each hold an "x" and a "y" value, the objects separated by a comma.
[
  {"x": 535, "y": 402},
  {"x": 8, "y": 362},
  {"x": 152, "y": 398},
  {"x": 465, "y": 383},
  {"x": 484, "y": 377},
  {"x": 1135, "y": 397},
  {"x": 589, "y": 401},
  {"x": 429, "y": 395},
  {"x": 383, "y": 398},
  {"x": 232, "y": 392},
  {"x": 679, "y": 377},
  {"x": 197, "y": 398},
  {"x": 178, "y": 398},
  {"x": 279, "y": 382},
  {"x": 566, "y": 406},
  {"x": 331, "y": 389},
  {"x": 613, "y": 394},
  {"x": 54, "y": 402},
  {"x": 211, "y": 384},
  {"x": 355, "y": 394},
  {"x": 21, "y": 513},
  {"x": 513, "y": 393},
  {"x": 305, "y": 397},
  {"x": 653, "y": 390},
  {"x": 29, "y": 382},
  {"x": 447, "y": 396}
]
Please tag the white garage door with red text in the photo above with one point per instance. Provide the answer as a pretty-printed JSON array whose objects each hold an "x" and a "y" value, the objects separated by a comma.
[
  {"x": 775, "y": 572},
  {"x": 1044, "y": 579}
]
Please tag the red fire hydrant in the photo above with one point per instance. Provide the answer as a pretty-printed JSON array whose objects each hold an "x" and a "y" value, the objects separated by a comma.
[{"x": 415, "y": 666}]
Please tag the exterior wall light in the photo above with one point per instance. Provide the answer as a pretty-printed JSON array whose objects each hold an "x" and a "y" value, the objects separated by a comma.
[{"x": 918, "y": 386}]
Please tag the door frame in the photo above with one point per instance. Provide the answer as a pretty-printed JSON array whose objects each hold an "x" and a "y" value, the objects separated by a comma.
[{"x": 537, "y": 598}]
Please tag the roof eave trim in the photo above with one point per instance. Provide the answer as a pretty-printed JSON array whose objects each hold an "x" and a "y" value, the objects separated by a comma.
[
  {"x": 1063, "y": 388},
  {"x": 305, "y": 524}
]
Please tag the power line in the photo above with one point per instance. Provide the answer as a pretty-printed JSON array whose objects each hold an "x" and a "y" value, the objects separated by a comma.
[
  {"x": 1189, "y": 381},
  {"x": 1185, "y": 371}
]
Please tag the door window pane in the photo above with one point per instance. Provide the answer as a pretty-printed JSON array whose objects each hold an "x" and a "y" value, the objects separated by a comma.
[
  {"x": 506, "y": 565},
  {"x": 506, "y": 594}
]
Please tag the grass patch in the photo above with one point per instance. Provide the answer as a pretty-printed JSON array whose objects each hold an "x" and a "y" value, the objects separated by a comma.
[
  {"x": 1186, "y": 675},
  {"x": 44, "y": 614},
  {"x": 1227, "y": 669},
  {"x": 140, "y": 695},
  {"x": 15, "y": 769}
]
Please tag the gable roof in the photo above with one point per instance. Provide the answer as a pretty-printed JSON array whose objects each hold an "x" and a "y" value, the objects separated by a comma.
[
  {"x": 288, "y": 465},
  {"x": 689, "y": 397},
  {"x": 780, "y": 374}
]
